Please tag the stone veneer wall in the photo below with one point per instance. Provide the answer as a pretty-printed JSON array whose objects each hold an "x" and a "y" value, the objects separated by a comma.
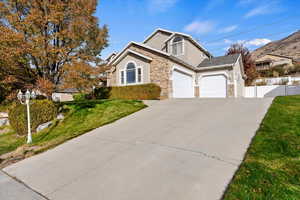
[
  {"x": 197, "y": 91},
  {"x": 112, "y": 78},
  {"x": 230, "y": 90},
  {"x": 160, "y": 71}
]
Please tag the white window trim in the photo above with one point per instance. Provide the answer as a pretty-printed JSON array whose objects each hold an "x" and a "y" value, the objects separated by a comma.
[
  {"x": 124, "y": 73},
  {"x": 136, "y": 74},
  {"x": 172, "y": 45}
]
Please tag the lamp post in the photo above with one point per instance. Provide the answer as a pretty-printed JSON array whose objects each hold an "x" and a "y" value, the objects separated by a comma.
[{"x": 25, "y": 99}]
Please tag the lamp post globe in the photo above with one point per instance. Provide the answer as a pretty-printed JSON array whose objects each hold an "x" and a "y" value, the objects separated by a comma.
[
  {"x": 33, "y": 95},
  {"x": 20, "y": 95}
]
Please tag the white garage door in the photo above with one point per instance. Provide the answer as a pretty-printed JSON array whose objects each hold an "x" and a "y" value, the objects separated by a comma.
[
  {"x": 182, "y": 85},
  {"x": 213, "y": 86}
]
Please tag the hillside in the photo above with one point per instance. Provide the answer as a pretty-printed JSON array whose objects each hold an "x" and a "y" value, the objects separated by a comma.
[{"x": 289, "y": 46}]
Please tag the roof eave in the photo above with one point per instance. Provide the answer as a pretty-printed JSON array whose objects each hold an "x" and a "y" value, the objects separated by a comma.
[{"x": 214, "y": 67}]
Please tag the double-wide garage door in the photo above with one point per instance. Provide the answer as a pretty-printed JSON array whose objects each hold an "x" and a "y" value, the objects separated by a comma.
[
  {"x": 182, "y": 85},
  {"x": 213, "y": 86}
]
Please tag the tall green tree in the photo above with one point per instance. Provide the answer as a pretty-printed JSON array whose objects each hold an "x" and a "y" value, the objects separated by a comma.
[{"x": 50, "y": 34}]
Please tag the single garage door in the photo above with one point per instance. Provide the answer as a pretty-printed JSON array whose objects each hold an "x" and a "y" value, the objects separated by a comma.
[
  {"x": 213, "y": 86},
  {"x": 182, "y": 85}
]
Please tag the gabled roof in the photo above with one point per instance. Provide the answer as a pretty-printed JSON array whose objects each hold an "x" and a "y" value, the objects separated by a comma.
[
  {"x": 161, "y": 53},
  {"x": 156, "y": 31},
  {"x": 128, "y": 51},
  {"x": 172, "y": 34},
  {"x": 220, "y": 61},
  {"x": 279, "y": 56}
]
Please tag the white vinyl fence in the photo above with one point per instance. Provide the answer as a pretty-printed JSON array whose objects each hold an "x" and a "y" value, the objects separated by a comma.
[
  {"x": 271, "y": 91},
  {"x": 278, "y": 80}
]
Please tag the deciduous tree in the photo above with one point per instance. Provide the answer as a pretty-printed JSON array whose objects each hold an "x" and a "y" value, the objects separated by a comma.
[
  {"x": 49, "y": 34},
  {"x": 249, "y": 64},
  {"x": 45, "y": 86},
  {"x": 80, "y": 76}
]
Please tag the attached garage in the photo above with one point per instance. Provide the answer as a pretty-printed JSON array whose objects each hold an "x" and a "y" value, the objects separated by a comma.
[
  {"x": 182, "y": 85},
  {"x": 214, "y": 86}
]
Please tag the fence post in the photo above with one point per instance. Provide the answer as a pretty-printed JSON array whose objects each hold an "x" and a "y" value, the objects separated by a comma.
[
  {"x": 255, "y": 90},
  {"x": 286, "y": 90}
]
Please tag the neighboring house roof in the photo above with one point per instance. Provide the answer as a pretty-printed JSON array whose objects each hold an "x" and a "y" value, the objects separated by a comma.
[
  {"x": 263, "y": 61},
  {"x": 220, "y": 61},
  {"x": 279, "y": 56},
  {"x": 172, "y": 34},
  {"x": 111, "y": 56}
]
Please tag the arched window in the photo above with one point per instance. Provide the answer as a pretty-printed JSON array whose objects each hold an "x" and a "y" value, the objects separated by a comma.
[
  {"x": 177, "y": 46},
  {"x": 131, "y": 73}
]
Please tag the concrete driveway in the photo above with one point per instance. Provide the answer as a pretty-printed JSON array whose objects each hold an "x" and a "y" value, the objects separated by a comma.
[{"x": 175, "y": 149}]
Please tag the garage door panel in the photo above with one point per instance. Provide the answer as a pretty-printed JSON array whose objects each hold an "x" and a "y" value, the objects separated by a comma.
[
  {"x": 182, "y": 85},
  {"x": 213, "y": 86}
]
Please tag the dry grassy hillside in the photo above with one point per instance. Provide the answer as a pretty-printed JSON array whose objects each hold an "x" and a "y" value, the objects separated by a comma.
[{"x": 289, "y": 46}]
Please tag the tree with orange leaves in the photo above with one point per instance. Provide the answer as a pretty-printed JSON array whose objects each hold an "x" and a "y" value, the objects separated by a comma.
[
  {"x": 80, "y": 76},
  {"x": 39, "y": 37},
  {"x": 248, "y": 62}
]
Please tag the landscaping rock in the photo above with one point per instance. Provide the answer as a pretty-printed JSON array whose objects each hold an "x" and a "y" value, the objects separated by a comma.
[
  {"x": 60, "y": 116},
  {"x": 6, "y": 130},
  {"x": 43, "y": 126},
  {"x": 3, "y": 115},
  {"x": 4, "y": 121}
]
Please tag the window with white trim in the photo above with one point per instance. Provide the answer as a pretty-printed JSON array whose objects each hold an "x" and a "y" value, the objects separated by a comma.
[
  {"x": 177, "y": 46},
  {"x": 132, "y": 74}
]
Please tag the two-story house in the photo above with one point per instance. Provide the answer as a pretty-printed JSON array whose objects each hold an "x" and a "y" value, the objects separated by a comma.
[{"x": 181, "y": 66}]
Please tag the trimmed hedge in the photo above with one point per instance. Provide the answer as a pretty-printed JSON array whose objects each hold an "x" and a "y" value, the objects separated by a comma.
[
  {"x": 80, "y": 97},
  {"x": 135, "y": 92},
  {"x": 41, "y": 111}
]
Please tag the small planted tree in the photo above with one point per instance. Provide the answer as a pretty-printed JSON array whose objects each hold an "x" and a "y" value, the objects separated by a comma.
[{"x": 248, "y": 62}]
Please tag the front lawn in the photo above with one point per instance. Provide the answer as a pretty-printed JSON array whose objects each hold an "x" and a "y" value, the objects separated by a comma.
[
  {"x": 80, "y": 118},
  {"x": 271, "y": 169}
]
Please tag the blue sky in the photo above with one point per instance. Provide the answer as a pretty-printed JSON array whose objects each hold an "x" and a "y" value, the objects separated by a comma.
[{"x": 214, "y": 23}]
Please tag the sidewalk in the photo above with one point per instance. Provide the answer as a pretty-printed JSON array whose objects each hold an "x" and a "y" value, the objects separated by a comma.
[{"x": 11, "y": 189}]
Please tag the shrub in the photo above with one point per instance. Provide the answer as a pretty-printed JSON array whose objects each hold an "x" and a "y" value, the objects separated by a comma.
[
  {"x": 41, "y": 111},
  {"x": 135, "y": 92},
  {"x": 80, "y": 97}
]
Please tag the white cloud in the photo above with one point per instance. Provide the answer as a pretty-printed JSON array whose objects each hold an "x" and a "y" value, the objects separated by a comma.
[
  {"x": 260, "y": 10},
  {"x": 267, "y": 7},
  {"x": 226, "y": 41},
  {"x": 200, "y": 27},
  {"x": 258, "y": 42},
  {"x": 228, "y": 29},
  {"x": 160, "y": 5}
]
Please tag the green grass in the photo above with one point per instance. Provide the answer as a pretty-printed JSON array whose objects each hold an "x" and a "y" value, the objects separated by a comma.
[
  {"x": 271, "y": 169},
  {"x": 80, "y": 118},
  {"x": 4, "y": 108}
]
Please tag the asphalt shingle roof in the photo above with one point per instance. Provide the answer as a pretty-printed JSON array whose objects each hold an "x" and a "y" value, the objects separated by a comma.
[{"x": 221, "y": 60}]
